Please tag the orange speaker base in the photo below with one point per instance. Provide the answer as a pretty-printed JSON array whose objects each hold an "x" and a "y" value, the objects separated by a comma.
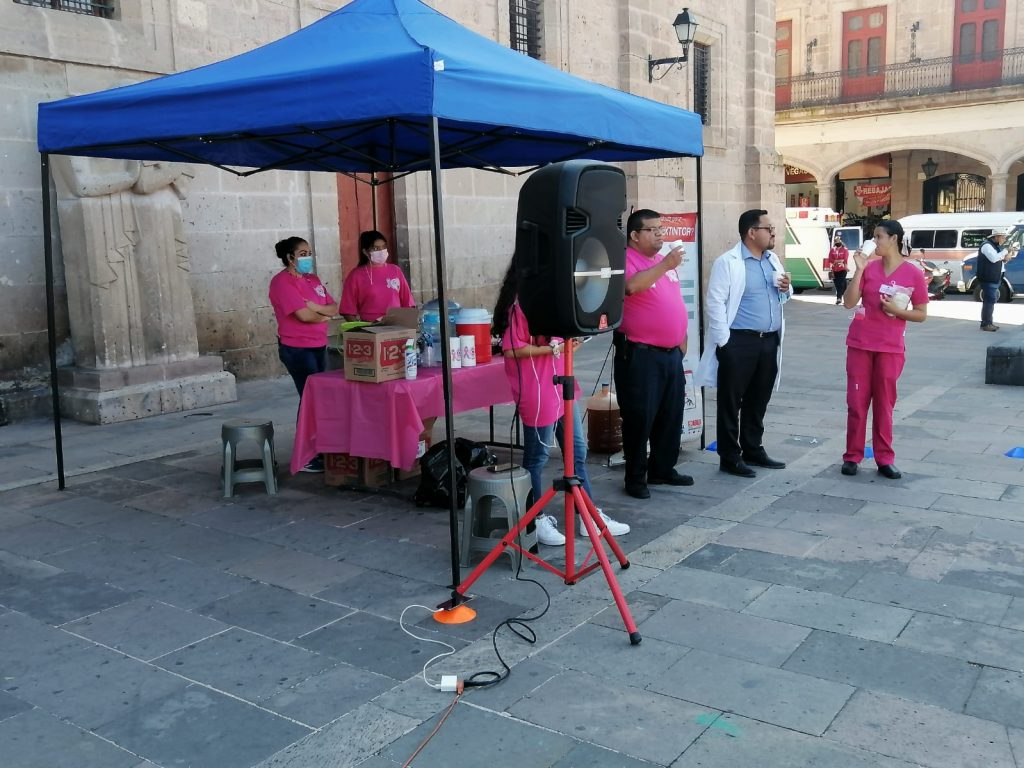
[{"x": 460, "y": 614}]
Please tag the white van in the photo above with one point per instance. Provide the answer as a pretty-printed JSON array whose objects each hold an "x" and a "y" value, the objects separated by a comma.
[
  {"x": 948, "y": 238},
  {"x": 809, "y": 236}
]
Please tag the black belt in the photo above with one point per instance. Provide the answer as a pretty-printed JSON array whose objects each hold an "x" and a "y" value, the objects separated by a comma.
[
  {"x": 749, "y": 332},
  {"x": 641, "y": 345}
]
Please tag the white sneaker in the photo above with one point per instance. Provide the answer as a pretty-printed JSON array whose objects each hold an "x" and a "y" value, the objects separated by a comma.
[
  {"x": 547, "y": 532},
  {"x": 616, "y": 528}
]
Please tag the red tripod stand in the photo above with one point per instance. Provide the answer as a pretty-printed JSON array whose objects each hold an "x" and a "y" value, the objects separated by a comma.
[{"x": 575, "y": 500}]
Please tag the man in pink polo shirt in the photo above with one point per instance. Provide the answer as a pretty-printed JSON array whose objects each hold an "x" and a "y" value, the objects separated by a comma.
[{"x": 649, "y": 349}]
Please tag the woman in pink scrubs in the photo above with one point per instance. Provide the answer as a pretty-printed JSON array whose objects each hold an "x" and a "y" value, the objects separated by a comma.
[
  {"x": 874, "y": 344},
  {"x": 375, "y": 286}
]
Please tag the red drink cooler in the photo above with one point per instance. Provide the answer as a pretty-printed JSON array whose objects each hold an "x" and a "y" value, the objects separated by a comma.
[{"x": 476, "y": 323}]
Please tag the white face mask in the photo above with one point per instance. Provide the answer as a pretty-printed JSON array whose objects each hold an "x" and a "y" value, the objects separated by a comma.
[{"x": 379, "y": 257}]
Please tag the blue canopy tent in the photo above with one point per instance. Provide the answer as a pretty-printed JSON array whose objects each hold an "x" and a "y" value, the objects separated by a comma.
[{"x": 379, "y": 86}]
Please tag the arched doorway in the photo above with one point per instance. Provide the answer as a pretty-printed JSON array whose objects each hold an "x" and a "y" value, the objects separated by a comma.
[
  {"x": 953, "y": 193},
  {"x": 801, "y": 188}
]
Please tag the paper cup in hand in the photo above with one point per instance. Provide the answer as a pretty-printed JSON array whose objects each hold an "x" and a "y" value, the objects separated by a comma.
[{"x": 778, "y": 278}]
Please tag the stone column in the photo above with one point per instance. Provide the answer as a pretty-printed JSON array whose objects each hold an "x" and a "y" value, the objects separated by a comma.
[
  {"x": 825, "y": 193},
  {"x": 126, "y": 263},
  {"x": 997, "y": 191}
]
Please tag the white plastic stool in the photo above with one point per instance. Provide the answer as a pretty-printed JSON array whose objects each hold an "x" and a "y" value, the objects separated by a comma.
[
  {"x": 261, "y": 470},
  {"x": 480, "y": 515}
]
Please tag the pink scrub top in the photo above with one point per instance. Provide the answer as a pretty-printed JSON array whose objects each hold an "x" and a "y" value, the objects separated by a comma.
[
  {"x": 872, "y": 329},
  {"x": 288, "y": 294},
  {"x": 370, "y": 292}
]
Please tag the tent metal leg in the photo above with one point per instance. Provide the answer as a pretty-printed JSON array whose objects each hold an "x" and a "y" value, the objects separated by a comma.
[
  {"x": 51, "y": 321},
  {"x": 446, "y": 370},
  {"x": 700, "y": 286}
]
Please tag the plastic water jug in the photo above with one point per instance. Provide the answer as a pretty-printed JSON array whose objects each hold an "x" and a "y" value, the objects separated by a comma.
[
  {"x": 604, "y": 424},
  {"x": 476, "y": 323},
  {"x": 430, "y": 322}
]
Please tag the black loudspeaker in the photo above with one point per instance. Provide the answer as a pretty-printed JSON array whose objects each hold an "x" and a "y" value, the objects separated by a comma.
[{"x": 570, "y": 257}]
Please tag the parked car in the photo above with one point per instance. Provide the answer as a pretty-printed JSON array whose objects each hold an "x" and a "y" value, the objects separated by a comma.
[
  {"x": 1013, "y": 278},
  {"x": 938, "y": 278}
]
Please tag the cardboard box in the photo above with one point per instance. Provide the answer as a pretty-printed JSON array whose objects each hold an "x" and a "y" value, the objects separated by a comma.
[
  {"x": 375, "y": 353},
  {"x": 426, "y": 440},
  {"x": 403, "y": 317},
  {"x": 345, "y": 469}
]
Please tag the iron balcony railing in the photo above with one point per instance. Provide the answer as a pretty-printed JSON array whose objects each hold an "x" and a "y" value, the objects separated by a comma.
[{"x": 913, "y": 78}]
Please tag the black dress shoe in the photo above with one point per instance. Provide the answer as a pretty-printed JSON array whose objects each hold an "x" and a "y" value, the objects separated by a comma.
[
  {"x": 638, "y": 490},
  {"x": 737, "y": 468},
  {"x": 890, "y": 471},
  {"x": 849, "y": 468},
  {"x": 674, "y": 479},
  {"x": 764, "y": 460}
]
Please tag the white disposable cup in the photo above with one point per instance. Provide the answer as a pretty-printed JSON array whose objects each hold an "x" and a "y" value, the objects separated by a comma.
[
  {"x": 778, "y": 277},
  {"x": 456, "y": 352},
  {"x": 467, "y": 349}
]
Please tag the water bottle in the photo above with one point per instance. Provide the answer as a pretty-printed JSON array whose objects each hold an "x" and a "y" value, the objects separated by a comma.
[{"x": 410, "y": 359}]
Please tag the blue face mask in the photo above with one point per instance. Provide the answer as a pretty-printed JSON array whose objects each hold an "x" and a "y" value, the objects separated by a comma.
[{"x": 304, "y": 265}]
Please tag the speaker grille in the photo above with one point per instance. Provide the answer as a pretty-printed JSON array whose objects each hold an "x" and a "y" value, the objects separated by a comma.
[{"x": 575, "y": 220}]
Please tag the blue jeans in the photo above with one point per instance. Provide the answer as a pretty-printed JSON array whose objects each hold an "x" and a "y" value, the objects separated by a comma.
[
  {"x": 537, "y": 442},
  {"x": 989, "y": 297},
  {"x": 302, "y": 362}
]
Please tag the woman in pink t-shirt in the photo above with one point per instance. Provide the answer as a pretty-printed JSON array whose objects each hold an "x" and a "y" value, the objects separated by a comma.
[
  {"x": 893, "y": 292},
  {"x": 374, "y": 286},
  {"x": 531, "y": 363},
  {"x": 302, "y": 307}
]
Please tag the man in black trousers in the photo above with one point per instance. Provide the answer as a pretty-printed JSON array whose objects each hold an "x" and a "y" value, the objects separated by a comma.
[
  {"x": 649, "y": 348},
  {"x": 746, "y": 292}
]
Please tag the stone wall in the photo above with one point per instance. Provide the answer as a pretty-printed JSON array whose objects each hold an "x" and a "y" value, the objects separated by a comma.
[{"x": 232, "y": 223}]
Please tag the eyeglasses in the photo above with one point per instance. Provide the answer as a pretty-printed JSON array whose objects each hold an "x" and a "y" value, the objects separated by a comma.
[
  {"x": 770, "y": 229},
  {"x": 652, "y": 230}
]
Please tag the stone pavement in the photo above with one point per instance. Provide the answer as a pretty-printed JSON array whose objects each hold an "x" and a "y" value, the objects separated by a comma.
[{"x": 800, "y": 619}]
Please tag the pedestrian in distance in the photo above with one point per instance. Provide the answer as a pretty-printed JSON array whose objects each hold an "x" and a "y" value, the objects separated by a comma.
[
  {"x": 649, "y": 348},
  {"x": 991, "y": 263},
  {"x": 744, "y": 309},
  {"x": 891, "y": 291},
  {"x": 531, "y": 364},
  {"x": 838, "y": 258}
]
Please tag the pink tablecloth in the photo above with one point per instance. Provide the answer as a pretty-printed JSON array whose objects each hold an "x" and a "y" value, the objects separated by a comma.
[{"x": 384, "y": 421}]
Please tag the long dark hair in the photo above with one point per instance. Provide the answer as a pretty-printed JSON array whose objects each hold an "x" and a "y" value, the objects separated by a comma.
[
  {"x": 894, "y": 229},
  {"x": 366, "y": 241},
  {"x": 285, "y": 248},
  {"x": 506, "y": 298}
]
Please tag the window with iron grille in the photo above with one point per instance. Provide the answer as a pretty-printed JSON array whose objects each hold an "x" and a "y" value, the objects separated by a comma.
[
  {"x": 525, "y": 26},
  {"x": 102, "y": 8},
  {"x": 702, "y": 81}
]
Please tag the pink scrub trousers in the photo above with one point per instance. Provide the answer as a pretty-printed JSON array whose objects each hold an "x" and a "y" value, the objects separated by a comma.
[{"x": 871, "y": 381}]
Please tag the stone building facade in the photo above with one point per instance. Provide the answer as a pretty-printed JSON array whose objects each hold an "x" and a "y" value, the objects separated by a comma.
[
  {"x": 925, "y": 96},
  {"x": 230, "y": 224}
]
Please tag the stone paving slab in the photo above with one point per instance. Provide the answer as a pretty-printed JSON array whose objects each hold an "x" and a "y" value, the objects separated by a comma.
[
  {"x": 274, "y": 612},
  {"x": 599, "y": 651},
  {"x": 733, "y": 741},
  {"x": 16, "y": 570},
  {"x": 297, "y": 571},
  {"x": 1000, "y": 510},
  {"x": 836, "y": 614},
  {"x": 780, "y": 541},
  {"x": 929, "y": 597},
  {"x": 245, "y": 665},
  {"x": 977, "y": 643},
  {"x": 925, "y": 677},
  {"x": 145, "y": 628},
  {"x": 614, "y": 715},
  {"x": 799, "y": 702},
  {"x": 998, "y": 696},
  {"x": 37, "y": 740},
  {"x": 1014, "y": 618},
  {"x": 76, "y": 511},
  {"x": 985, "y": 576},
  {"x": 325, "y": 697},
  {"x": 804, "y": 573},
  {"x": 63, "y": 597},
  {"x": 92, "y": 686},
  {"x": 41, "y": 537},
  {"x": 706, "y": 588},
  {"x": 202, "y": 729},
  {"x": 11, "y": 706},
  {"x": 733, "y": 634},
  {"x": 921, "y": 733}
]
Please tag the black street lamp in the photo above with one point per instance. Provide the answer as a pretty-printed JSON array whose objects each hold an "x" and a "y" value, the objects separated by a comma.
[
  {"x": 685, "y": 26},
  {"x": 929, "y": 167}
]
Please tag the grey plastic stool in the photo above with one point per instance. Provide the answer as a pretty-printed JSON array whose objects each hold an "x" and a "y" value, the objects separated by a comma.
[
  {"x": 488, "y": 490},
  {"x": 261, "y": 470}
]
